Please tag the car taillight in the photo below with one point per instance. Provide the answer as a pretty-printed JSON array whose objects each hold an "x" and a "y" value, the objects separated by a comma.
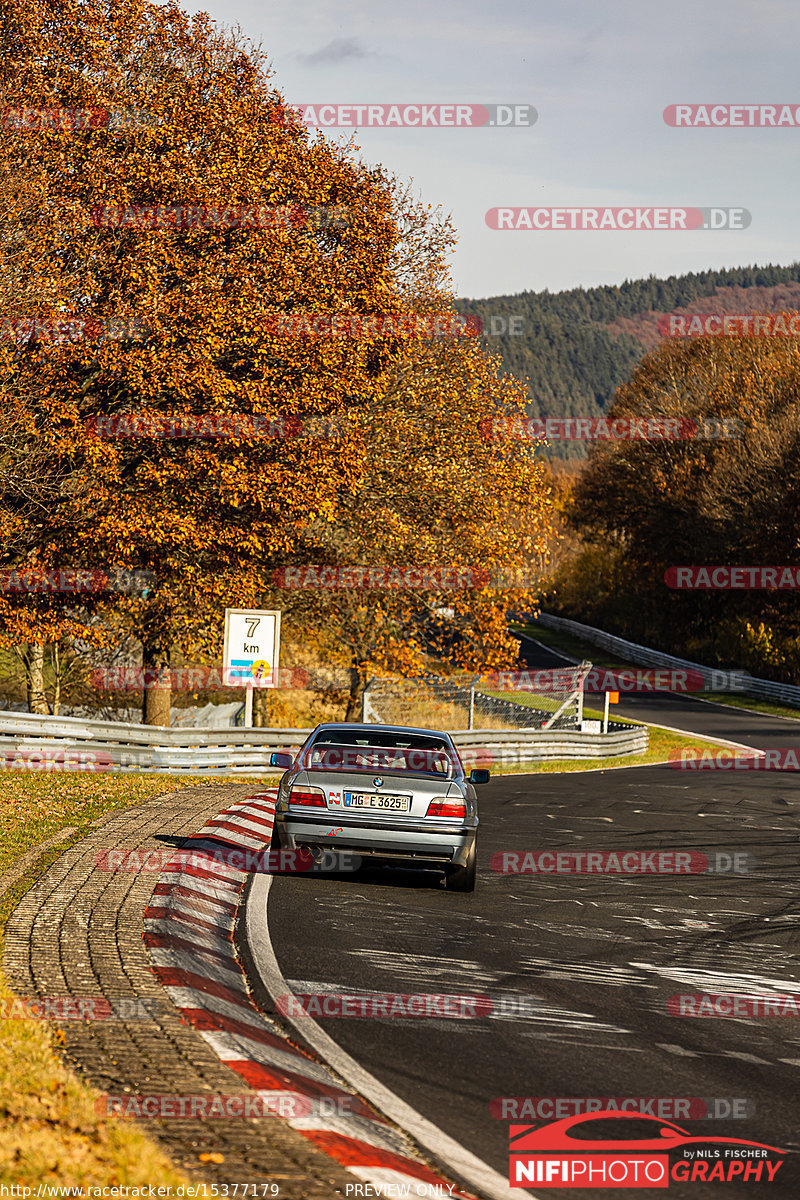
[
  {"x": 446, "y": 808},
  {"x": 311, "y": 797}
]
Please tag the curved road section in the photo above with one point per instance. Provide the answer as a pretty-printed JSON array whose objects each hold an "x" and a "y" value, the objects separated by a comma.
[
  {"x": 189, "y": 934},
  {"x": 596, "y": 978}
]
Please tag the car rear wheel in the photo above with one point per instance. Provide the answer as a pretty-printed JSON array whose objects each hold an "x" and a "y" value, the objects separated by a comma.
[
  {"x": 462, "y": 879},
  {"x": 274, "y": 841}
]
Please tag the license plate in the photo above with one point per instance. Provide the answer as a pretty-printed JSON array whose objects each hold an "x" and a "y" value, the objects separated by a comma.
[{"x": 376, "y": 800}]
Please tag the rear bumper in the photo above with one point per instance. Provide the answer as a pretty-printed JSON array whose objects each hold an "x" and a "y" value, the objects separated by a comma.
[{"x": 445, "y": 845}]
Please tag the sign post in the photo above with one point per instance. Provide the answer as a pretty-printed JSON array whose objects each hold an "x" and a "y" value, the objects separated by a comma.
[
  {"x": 251, "y": 652},
  {"x": 611, "y": 698}
]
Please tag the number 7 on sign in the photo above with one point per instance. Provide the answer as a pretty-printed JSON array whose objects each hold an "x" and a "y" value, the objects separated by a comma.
[{"x": 252, "y": 625}]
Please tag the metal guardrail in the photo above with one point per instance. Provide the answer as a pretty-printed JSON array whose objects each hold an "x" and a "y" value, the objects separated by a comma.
[
  {"x": 505, "y": 746},
  {"x": 75, "y": 743},
  {"x": 138, "y": 735},
  {"x": 731, "y": 681},
  {"x": 33, "y": 742}
]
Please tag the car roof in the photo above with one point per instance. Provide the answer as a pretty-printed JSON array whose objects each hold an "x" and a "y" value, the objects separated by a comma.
[{"x": 368, "y": 725}]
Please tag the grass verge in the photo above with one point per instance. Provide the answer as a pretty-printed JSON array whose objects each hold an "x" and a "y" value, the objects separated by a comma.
[
  {"x": 750, "y": 703},
  {"x": 558, "y": 640},
  {"x": 49, "y": 1129},
  {"x": 544, "y": 703}
]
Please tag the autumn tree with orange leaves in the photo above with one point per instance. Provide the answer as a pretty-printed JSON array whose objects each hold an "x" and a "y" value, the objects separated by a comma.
[
  {"x": 703, "y": 500},
  {"x": 435, "y": 489},
  {"x": 434, "y": 492},
  {"x": 211, "y": 519},
  {"x": 32, "y": 481},
  {"x": 204, "y": 517}
]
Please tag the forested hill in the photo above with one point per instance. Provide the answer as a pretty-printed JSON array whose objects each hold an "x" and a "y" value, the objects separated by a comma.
[{"x": 575, "y": 348}]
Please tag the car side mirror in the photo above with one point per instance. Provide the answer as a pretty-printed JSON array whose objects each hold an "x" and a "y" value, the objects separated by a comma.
[
  {"x": 281, "y": 760},
  {"x": 479, "y": 775}
]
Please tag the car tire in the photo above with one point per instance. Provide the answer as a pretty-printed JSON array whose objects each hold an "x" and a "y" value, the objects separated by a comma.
[
  {"x": 462, "y": 879},
  {"x": 274, "y": 840}
]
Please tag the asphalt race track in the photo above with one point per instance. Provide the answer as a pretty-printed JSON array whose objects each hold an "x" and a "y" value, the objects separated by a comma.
[{"x": 580, "y": 967}]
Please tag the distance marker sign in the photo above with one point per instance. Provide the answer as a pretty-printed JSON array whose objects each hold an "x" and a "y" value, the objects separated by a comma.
[{"x": 252, "y": 647}]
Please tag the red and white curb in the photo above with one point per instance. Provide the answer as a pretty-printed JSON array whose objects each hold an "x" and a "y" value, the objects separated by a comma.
[{"x": 189, "y": 935}]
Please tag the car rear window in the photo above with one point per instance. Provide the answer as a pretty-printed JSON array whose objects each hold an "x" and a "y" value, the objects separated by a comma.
[{"x": 418, "y": 756}]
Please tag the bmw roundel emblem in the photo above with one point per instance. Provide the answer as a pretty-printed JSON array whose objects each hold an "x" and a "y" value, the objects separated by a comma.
[{"x": 377, "y": 781}]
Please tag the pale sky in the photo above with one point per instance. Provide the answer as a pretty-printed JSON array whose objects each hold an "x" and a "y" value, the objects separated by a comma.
[{"x": 599, "y": 73}]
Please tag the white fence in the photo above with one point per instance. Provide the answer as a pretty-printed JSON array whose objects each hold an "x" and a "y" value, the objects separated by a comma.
[
  {"x": 32, "y": 742},
  {"x": 717, "y": 681}
]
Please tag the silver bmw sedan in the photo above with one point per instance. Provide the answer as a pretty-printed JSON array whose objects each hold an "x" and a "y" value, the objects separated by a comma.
[{"x": 395, "y": 794}]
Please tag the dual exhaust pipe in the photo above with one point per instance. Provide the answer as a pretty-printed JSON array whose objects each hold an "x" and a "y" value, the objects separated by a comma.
[{"x": 316, "y": 852}]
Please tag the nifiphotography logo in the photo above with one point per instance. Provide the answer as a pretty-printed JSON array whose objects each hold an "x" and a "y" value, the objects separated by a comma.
[{"x": 582, "y": 1151}]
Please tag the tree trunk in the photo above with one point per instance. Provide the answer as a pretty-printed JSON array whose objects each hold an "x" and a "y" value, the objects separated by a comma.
[
  {"x": 260, "y": 708},
  {"x": 358, "y": 684},
  {"x": 33, "y": 657},
  {"x": 157, "y": 684}
]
